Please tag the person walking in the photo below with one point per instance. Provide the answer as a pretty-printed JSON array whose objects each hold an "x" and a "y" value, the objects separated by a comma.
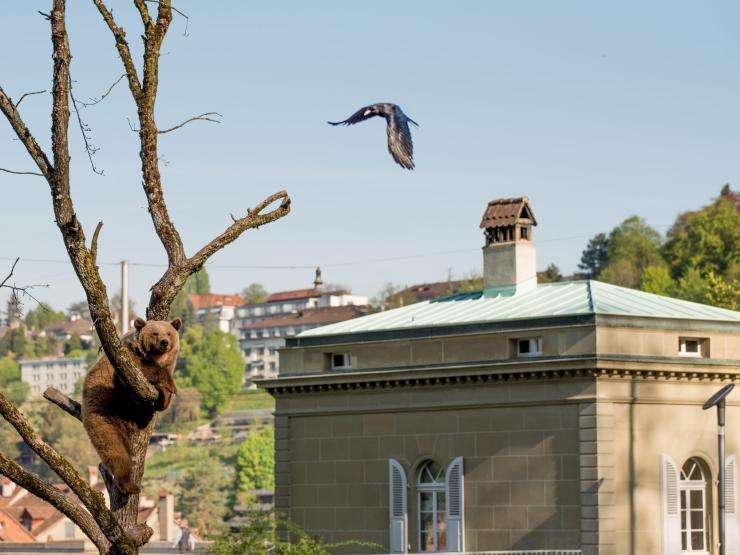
[{"x": 184, "y": 540}]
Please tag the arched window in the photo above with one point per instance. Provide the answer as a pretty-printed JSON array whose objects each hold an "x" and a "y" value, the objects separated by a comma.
[
  {"x": 692, "y": 487},
  {"x": 430, "y": 486}
]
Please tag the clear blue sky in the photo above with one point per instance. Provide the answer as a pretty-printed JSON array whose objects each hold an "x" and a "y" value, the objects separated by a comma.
[{"x": 594, "y": 111}]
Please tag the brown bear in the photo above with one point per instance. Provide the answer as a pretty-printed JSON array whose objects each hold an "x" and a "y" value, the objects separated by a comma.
[{"x": 109, "y": 411}]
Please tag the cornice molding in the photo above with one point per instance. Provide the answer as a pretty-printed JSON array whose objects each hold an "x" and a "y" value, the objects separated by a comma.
[{"x": 583, "y": 367}]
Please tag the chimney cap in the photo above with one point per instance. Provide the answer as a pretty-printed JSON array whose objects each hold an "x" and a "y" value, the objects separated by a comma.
[{"x": 507, "y": 212}]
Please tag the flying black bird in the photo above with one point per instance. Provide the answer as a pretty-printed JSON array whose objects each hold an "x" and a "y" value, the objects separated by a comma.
[{"x": 400, "y": 144}]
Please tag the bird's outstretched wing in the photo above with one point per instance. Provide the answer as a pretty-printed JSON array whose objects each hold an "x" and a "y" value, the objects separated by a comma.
[
  {"x": 360, "y": 115},
  {"x": 400, "y": 144}
]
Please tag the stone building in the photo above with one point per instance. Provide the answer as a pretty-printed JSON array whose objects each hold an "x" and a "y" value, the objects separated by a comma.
[{"x": 524, "y": 417}]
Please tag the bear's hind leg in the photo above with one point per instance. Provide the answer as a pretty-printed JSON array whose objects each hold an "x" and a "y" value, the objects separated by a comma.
[{"x": 112, "y": 445}]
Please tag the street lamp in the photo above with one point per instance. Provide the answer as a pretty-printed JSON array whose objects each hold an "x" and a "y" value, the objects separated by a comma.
[{"x": 718, "y": 400}]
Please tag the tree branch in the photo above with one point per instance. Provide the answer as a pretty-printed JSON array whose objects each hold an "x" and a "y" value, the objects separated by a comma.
[
  {"x": 67, "y": 404},
  {"x": 71, "y": 228},
  {"x": 21, "y": 173},
  {"x": 90, "y": 149},
  {"x": 94, "y": 243},
  {"x": 27, "y": 94},
  {"x": 46, "y": 491},
  {"x": 123, "y": 50},
  {"x": 16, "y": 123},
  {"x": 254, "y": 218},
  {"x": 201, "y": 117},
  {"x": 92, "y": 499},
  {"x": 94, "y": 101}
]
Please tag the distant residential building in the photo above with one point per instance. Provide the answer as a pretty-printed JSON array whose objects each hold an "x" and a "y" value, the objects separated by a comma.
[
  {"x": 61, "y": 373},
  {"x": 261, "y": 328},
  {"x": 219, "y": 309},
  {"x": 261, "y": 341},
  {"x": 62, "y": 331},
  {"x": 27, "y": 518}
]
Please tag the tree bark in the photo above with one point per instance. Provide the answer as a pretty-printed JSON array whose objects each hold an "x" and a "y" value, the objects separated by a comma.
[{"x": 113, "y": 531}]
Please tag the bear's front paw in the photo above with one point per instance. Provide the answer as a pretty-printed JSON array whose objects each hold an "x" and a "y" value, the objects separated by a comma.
[{"x": 164, "y": 399}]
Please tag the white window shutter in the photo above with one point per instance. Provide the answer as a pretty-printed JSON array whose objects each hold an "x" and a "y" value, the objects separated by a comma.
[
  {"x": 454, "y": 506},
  {"x": 671, "y": 506},
  {"x": 732, "y": 535},
  {"x": 397, "y": 505}
]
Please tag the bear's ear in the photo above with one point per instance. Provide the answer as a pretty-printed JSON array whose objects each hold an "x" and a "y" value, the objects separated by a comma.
[
  {"x": 176, "y": 323},
  {"x": 139, "y": 323}
]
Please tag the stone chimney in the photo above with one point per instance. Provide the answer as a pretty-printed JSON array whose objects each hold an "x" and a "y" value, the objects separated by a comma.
[
  {"x": 166, "y": 516},
  {"x": 6, "y": 486},
  {"x": 509, "y": 255}
]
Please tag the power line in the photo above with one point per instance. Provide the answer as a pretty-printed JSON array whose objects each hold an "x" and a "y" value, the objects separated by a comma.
[{"x": 307, "y": 266}]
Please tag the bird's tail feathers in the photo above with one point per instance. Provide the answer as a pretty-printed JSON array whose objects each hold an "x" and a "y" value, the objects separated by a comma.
[{"x": 415, "y": 124}]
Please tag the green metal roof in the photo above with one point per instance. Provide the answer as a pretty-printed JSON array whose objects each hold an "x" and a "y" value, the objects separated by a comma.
[{"x": 546, "y": 300}]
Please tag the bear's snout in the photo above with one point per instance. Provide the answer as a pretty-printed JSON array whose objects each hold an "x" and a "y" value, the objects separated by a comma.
[{"x": 164, "y": 344}]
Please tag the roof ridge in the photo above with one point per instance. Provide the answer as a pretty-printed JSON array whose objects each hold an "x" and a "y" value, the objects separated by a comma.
[{"x": 590, "y": 296}]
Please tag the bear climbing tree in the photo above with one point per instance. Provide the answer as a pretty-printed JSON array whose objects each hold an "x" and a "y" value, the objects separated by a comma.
[{"x": 113, "y": 530}]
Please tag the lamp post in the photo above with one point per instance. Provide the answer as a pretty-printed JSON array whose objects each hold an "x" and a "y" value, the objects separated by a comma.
[{"x": 718, "y": 400}]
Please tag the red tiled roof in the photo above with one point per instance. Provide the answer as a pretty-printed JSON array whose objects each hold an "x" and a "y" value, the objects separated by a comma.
[
  {"x": 314, "y": 316},
  {"x": 13, "y": 531},
  {"x": 292, "y": 295},
  {"x": 204, "y": 301},
  {"x": 507, "y": 211}
]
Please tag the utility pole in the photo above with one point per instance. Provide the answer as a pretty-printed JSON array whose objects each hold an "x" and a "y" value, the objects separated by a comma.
[{"x": 124, "y": 296}]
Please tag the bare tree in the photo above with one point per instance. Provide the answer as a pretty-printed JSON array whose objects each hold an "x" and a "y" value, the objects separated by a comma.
[{"x": 113, "y": 530}]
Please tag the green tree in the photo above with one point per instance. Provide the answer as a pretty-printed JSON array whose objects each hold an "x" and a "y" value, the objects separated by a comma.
[
  {"x": 394, "y": 296},
  {"x": 10, "y": 371},
  {"x": 632, "y": 247},
  {"x": 691, "y": 286},
  {"x": 9, "y": 440},
  {"x": 550, "y": 275},
  {"x": 657, "y": 279},
  {"x": 471, "y": 281},
  {"x": 184, "y": 408},
  {"x": 255, "y": 461},
  {"x": 63, "y": 433},
  {"x": 46, "y": 345},
  {"x": 14, "y": 342},
  {"x": 42, "y": 316},
  {"x": 198, "y": 283},
  {"x": 254, "y": 293},
  {"x": 10, "y": 381},
  {"x": 204, "y": 496},
  {"x": 212, "y": 363},
  {"x": 708, "y": 240},
  {"x": 182, "y": 308},
  {"x": 74, "y": 343},
  {"x": 723, "y": 293},
  {"x": 595, "y": 256}
]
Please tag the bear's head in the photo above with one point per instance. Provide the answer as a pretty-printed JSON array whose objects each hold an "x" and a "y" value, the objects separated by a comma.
[{"x": 155, "y": 338}]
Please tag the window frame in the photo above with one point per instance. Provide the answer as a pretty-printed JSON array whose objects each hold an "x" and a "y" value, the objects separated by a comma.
[
  {"x": 435, "y": 488},
  {"x": 346, "y": 357},
  {"x": 682, "y": 342},
  {"x": 685, "y": 487},
  {"x": 535, "y": 342}
]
